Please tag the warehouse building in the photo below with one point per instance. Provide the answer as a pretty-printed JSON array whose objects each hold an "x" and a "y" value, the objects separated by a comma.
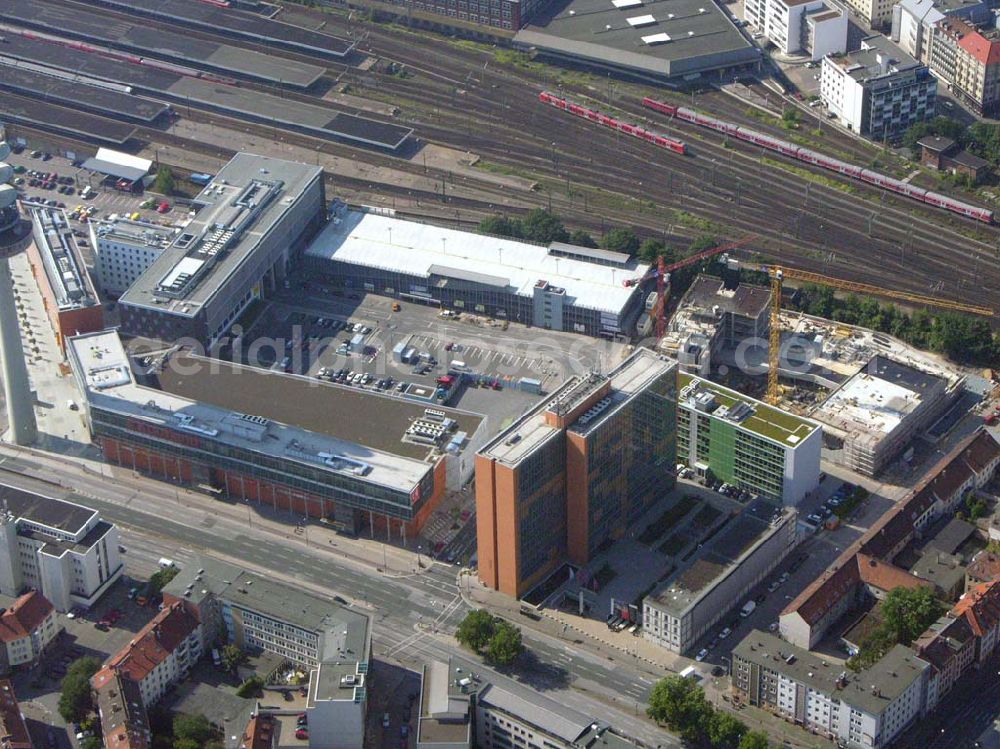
[
  {"x": 745, "y": 442},
  {"x": 650, "y": 39},
  {"x": 69, "y": 296},
  {"x": 559, "y": 287},
  {"x": 125, "y": 250},
  {"x": 250, "y": 223},
  {"x": 575, "y": 472},
  {"x": 865, "y": 710},
  {"x": 875, "y": 414},
  {"x": 325, "y": 451},
  {"x": 744, "y": 552},
  {"x": 259, "y": 614},
  {"x": 60, "y": 548}
]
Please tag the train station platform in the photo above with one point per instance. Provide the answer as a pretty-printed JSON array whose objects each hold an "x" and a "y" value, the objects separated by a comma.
[
  {"x": 158, "y": 43},
  {"x": 54, "y": 118},
  {"x": 77, "y": 94},
  {"x": 235, "y": 23}
]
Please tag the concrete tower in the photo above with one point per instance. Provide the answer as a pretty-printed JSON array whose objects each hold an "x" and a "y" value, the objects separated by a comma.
[{"x": 14, "y": 239}]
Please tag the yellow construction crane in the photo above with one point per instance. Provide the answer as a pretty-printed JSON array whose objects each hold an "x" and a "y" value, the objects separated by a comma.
[{"x": 777, "y": 275}]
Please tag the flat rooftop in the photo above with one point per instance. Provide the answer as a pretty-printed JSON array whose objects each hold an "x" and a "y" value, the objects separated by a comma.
[
  {"x": 134, "y": 232},
  {"x": 374, "y": 420},
  {"x": 247, "y": 198},
  {"x": 870, "y": 690},
  {"x": 742, "y": 534},
  {"x": 444, "y": 256},
  {"x": 77, "y": 94},
  {"x": 444, "y": 704},
  {"x": 246, "y": 423},
  {"x": 237, "y": 23},
  {"x": 26, "y": 111},
  {"x": 65, "y": 271},
  {"x": 100, "y": 27},
  {"x": 662, "y": 38},
  {"x": 343, "y": 630},
  {"x": 551, "y": 716},
  {"x": 705, "y": 396},
  {"x": 878, "y": 398},
  {"x": 866, "y": 63},
  {"x": 57, "y": 514}
]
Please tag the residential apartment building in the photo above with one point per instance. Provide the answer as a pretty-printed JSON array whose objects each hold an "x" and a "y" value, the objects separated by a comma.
[
  {"x": 161, "y": 654},
  {"x": 876, "y": 13},
  {"x": 967, "y": 60},
  {"x": 964, "y": 637},
  {"x": 913, "y": 22},
  {"x": 745, "y": 442},
  {"x": 867, "y": 710},
  {"x": 259, "y": 614},
  {"x": 866, "y": 566},
  {"x": 124, "y": 250},
  {"x": 575, "y": 472},
  {"x": 28, "y": 625},
  {"x": 57, "y": 547},
  {"x": 879, "y": 91},
  {"x": 14, "y": 729},
  {"x": 745, "y": 551},
  {"x": 123, "y": 716},
  {"x": 812, "y": 27}
]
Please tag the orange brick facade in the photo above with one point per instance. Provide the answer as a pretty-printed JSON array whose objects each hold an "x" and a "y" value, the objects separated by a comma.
[{"x": 69, "y": 322}]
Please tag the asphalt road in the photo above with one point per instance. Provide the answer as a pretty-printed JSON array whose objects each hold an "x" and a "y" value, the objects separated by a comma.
[{"x": 155, "y": 518}]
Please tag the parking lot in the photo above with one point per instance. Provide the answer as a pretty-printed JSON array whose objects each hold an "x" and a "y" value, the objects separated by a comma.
[{"x": 59, "y": 182}]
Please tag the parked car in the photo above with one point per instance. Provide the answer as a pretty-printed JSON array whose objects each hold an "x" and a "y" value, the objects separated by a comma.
[
  {"x": 702, "y": 655},
  {"x": 302, "y": 733},
  {"x": 725, "y": 633}
]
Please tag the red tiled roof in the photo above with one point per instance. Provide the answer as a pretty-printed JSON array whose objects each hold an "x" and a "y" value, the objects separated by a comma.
[
  {"x": 980, "y": 607},
  {"x": 886, "y": 576},
  {"x": 890, "y": 530},
  {"x": 154, "y": 643},
  {"x": 11, "y": 721},
  {"x": 259, "y": 733},
  {"x": 27, "y": 614},
  {"x": 982, "y": 451},
  {"x": 986, "y": 51}
]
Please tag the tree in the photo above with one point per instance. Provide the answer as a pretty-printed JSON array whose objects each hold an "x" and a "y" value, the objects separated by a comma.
[
  {"x": 620, "y": 240},
  {"x": 582, "y": 238},
  {"x": 476, "y": 629},
  {"x": 186, "y": 744},
  {"x": 505, "y": 645},
  {"x": 501, "y": 226},
  {"x": 725, "y": 731},
  {"x": 651, "y": 249},
  {"x": 250, "y": 688},
  {"x": 232, "y": 658},
  {"x": 91, "y": 742},
  {"x": 196, "y": 728},
  {"x": 755, "y": 740},
  {"x": 76, "y": 699},
  {"x": 164, "y": 182},
  {"x": 541, "y": 226},
  {"x": 160, "y": 578},
  {"x": 907, "y": 612},
  {"x": 680, "y": 704}
]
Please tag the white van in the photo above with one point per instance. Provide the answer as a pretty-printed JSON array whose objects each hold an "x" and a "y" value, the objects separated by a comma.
[
  {"x": 748, "y": 608},
  {"x": 458, "y": 366},
  {"x": 164, "y": 563}
]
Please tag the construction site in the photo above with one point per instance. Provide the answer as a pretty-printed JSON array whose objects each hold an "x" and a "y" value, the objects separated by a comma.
[{"x": 873, "y": 393}]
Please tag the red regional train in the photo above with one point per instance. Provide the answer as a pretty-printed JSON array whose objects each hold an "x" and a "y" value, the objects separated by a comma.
[
  {"x": 812, "y": 157},
  {"x": 602, "y": 119}
]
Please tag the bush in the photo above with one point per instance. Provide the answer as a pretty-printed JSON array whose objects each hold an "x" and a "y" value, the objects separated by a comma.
[{"x": 251, "y": 687}]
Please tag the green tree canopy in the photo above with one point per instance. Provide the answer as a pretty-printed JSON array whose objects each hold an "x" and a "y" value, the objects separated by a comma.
[
  {"x": 680, "y": 704},
  {"x": 725, "y": 731},
  {"x": 505, "y": 645},
  {"x": 620, "y": 239},
  {"x": 755, "y": 740},
  {"x": 541, "y": 226},
  {"x": 196, "y": 728},
  {"x": 76, "y": 700},
  {"x": 582, "y": 238},
  {"x": 232, "y": 658},
  {"x": 476, "y": 629},
  {"x": 907, "y": 612},
  {"x": 91, "y": 742},
  {"x": 502, "y": 226},
  {"x": 160, "y": 578},
  {"x": 164, "y": 182}
]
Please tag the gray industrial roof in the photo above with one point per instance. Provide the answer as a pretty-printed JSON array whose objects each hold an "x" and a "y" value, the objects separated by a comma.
[
  {"x": 870, "y": 690},
  {"x": 342, "y": 628},
  {"x": 659, "y": 37},
  {"x": 59, "y": 514},
  {"x": 241, "y": 171},
  {"x": 549, "y": 715}
]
